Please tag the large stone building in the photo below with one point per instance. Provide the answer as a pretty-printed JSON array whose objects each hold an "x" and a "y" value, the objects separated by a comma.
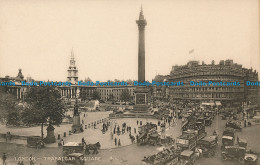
[
  {"x": 114, "y": 93},
  {"x": 232, "y": 92}
]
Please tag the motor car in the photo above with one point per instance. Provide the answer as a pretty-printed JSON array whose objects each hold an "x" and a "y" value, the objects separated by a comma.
[
  {"x": 227, "y": 141},
  {"x": 187, "y": 157},
  {"x": 234, "y": 124},
  {"x": 35, "y": 141},
  {"x": 208, "y": 145},
  {"x": 201, "y": 119},
  {"x": 208, "y": 121},
  {"x": 242, "y": 143},
  {"x": 165, "y": 157},
  {"x": 229, "y": 132},
  {"x": 250, "y": 159},
  {"x": 233, "y": 152}
]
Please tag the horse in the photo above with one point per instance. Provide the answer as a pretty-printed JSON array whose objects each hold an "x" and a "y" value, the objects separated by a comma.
[
  {"x": 132, "y": 138},
  {"x": 198, "y": 152},
  {"x": 95, "y": 147}
]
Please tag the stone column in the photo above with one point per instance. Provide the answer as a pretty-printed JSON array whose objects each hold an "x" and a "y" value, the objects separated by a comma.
[
  {"x": 141, "y": 47},
  {"x": 20, "y": 92},
  {"x": 17, "y": 95}
]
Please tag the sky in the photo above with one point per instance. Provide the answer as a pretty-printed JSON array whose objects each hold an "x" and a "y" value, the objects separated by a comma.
[{"x": 38, "y": 36}]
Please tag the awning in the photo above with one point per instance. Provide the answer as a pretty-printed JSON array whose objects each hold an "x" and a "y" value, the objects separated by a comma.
[{"x": 210, "y": 104}]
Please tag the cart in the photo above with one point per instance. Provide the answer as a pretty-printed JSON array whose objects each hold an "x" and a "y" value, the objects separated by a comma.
[{"x": 35, "y": 141}]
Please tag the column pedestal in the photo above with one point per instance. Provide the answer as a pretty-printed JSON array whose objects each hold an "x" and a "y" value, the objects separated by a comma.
[{"x": 76, "y": 126}]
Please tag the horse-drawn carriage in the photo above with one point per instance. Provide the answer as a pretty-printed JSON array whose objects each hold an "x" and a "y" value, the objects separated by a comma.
[
  {"x": 168, "y": 140},
  {"x": 154, "y": 139},
  {"x": 75, "y": 147},
  {"x": 72, "y": 147},
  {"x": 35, "y": 141},
  {"x": 95, "y": 147}
]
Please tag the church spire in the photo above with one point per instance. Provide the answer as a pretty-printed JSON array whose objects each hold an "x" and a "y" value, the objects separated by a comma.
[
  {"x": 141, "y": 16},
  {"x": 72, "y": 54},
  {"x": 72, "y": 71}
]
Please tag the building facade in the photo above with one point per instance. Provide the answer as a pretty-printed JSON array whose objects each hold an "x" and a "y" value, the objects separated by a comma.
[
  {"x": 114, "y": 93},
  {"x": 226, "y": 72}
]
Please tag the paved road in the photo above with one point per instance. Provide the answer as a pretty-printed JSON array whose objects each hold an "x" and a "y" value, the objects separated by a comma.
[{"x": 133, "y": 154}]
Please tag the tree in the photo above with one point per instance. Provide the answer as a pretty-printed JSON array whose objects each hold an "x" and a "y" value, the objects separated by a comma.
[
  {"x": 45, "y": 105},
  {"x": 7, "y": 103},
  {"x": 13, "y": 116},
  {"x": 96, "y": 95},
  {"x": 83, "y": 95},
  {"x": 125, "y": 95}
]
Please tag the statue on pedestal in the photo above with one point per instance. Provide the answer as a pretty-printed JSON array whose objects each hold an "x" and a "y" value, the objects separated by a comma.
[
  {"x": 76, "y": 108},
  {"x": 76, "y": 126}
]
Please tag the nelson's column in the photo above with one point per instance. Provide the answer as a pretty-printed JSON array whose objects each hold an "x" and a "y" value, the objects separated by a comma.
[{"x": 141, "y": 92}]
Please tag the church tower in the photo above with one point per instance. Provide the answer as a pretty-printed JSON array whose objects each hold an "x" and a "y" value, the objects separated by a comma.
[{"x": 72, "y": 71}]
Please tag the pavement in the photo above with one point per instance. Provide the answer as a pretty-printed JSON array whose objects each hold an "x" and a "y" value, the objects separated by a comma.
[
  {"x": 131, "y": 154},
  {"x": 90, "y": 135},
  {"x": 36, "y": 131}
]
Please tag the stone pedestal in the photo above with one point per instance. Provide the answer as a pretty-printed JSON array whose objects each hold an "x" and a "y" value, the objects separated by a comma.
[
  {"x": 141, "y": 100},
  {"x": 76, "y": 126},
  {"x": 50, "y": 138}
]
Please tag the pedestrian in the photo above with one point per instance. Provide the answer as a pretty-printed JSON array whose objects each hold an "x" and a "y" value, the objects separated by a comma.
[
  {"x": 83, "y": 141},
  {"x": 135, "y": 130},
  {"x": 141, "y": 123},
  {"x": 6, "y": 137},
  {"x": 82, "y": 121},
  {"x": 31, "y": 160},
  {"x": 115, "y": 141},
  {"x": 119, "y": 142},
  {"x": 4, "y": 159},
  {"x": 245, "y": 123},
  {"x": 137, "y": 122},
  {"x": 237, "y": 139}
]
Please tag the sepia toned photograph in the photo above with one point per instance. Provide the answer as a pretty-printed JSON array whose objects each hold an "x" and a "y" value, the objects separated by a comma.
[{"x": 129, "y": 82}]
